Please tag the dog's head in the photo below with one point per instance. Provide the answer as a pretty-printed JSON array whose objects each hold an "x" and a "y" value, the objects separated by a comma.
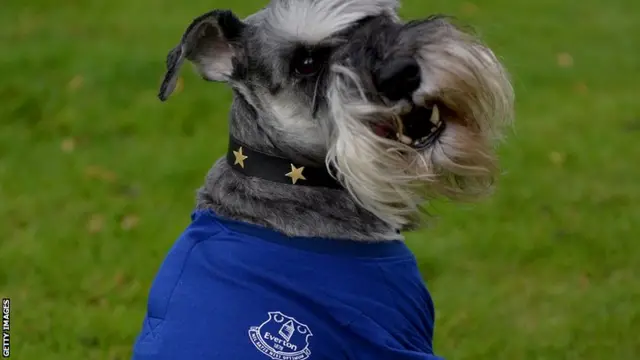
[{"x": 400, "y": 111}]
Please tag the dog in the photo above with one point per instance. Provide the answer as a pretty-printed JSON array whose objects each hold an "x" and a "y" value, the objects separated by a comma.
[{"x": 345, "y": 122}]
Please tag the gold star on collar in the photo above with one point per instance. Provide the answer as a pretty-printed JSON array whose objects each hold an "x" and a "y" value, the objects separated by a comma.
[
  {"x": 296, "y": 174},
  {"x": 240, "y": 157}
]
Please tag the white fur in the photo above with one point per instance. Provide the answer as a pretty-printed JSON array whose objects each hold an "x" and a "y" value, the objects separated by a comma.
[
  {"x": 295, "y": 119},
  {"x": 315, "y": 20}
]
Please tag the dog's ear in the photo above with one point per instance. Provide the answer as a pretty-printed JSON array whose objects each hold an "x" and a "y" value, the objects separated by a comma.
[{"x": 211, "y": 42}]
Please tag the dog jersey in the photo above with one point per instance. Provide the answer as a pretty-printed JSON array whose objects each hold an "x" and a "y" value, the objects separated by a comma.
[{"x": 234, "y": 291}]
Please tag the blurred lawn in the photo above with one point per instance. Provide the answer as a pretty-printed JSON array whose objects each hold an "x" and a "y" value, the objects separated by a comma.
[{"x": 97, "y": 179}]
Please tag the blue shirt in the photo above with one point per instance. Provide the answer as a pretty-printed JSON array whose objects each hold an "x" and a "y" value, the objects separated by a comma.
[{"x": 230, "y": 290}]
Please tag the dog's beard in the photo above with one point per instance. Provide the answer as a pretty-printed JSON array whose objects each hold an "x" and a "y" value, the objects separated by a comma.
[{"x": 391, "y": 178}]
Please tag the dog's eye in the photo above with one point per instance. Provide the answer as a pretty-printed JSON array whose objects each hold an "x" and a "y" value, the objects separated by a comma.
[
  {"x": 307, "y": 62},
  {"x": 306, "y": 66}
]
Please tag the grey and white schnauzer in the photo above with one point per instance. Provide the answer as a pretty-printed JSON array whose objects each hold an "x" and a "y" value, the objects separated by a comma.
[{"x": 345, "y": 121}]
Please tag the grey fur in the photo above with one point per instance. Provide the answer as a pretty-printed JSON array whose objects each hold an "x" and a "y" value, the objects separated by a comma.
[
  {"x": 305, "y": 211},
  {"x": 305, "y": 119}
]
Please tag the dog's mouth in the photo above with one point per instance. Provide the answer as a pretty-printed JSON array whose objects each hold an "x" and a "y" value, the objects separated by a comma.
[{"x": 417, "y": 126}]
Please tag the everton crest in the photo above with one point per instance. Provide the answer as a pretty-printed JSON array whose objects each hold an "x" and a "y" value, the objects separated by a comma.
[{"x": 282, "y": 337}]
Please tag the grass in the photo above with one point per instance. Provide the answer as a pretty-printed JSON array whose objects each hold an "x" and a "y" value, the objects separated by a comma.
[{"x": 97, "y": 179}]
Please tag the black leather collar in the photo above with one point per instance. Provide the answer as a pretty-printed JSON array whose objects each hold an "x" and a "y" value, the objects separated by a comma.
[{"x": 253, "y": 163}]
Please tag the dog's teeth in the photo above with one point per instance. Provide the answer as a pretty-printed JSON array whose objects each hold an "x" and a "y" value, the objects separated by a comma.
[
  {"x": 435, "y": 115},
  {"x": 404, "y": 107},
  {"x": 422, "y": 140},
  {"x": 419, "y": 100},
  {"x": 404, "y": 139}
]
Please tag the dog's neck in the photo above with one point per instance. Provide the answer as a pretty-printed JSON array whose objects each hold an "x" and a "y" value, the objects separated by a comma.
[{"x": 293, "y": 210}]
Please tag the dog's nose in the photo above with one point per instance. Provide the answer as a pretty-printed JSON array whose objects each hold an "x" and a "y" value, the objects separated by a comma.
[{"x": 398, "y": 78}]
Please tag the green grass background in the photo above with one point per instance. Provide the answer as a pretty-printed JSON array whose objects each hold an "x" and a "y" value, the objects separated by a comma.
[{"x": 97, "y": 178}]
